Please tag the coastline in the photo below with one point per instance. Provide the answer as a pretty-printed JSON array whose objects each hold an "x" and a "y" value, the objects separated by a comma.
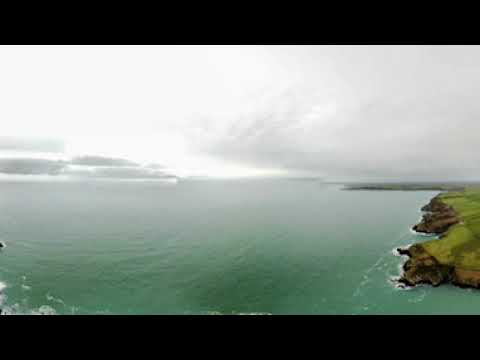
[{"x": 423, "y": 267}]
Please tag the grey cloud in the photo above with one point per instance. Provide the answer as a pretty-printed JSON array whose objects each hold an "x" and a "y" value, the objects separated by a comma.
[
  {"x": 431, "y": 136},
  {"x": 27, "y": 166},
  {"x": 92, "y": 160},
  {"x": 31, "y": 144},
  {"x": 34, "y": 166},
  {"x": 119, "y": 173}
]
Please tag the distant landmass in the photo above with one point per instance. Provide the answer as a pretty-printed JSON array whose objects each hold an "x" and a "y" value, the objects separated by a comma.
[{"x": 408, "y": 186}]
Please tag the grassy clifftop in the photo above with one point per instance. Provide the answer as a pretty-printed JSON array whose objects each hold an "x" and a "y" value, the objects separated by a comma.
[{"x": 460, "y": 245}]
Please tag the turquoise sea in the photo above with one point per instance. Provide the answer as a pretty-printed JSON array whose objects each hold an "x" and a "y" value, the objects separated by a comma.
[{"x": 211, "y": 247}]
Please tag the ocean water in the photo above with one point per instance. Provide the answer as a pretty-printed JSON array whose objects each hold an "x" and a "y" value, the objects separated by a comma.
[{"x": 211, "y": 247}]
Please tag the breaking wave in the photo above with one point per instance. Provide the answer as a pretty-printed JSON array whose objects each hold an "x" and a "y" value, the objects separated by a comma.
[
  {"x": 21, "y": 309},
  {"x": 236, "y": 313},
  {"x": 16, "y": 309}
]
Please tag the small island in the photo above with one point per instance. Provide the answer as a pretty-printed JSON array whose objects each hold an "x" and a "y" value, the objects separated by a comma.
[{"x": 453, "y": 257}]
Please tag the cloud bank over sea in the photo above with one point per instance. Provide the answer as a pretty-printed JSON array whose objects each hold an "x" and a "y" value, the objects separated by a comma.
[{"x": 87, "y": 167}]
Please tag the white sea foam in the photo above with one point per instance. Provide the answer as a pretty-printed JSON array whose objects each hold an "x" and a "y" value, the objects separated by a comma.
[
  {"x": 422, "y": 234},
  {"x": 254, "y": 313},
  {"x": 395, "y": 252},
  {"x": 366, "y": 274},
  {"x": 24, "y": 285},
  {"x": 44, "y": 310},
  {"x": 54, "y": 299},
  {"x": 418, "y": 298},
  {"x": 397, "y": 285},
  {"x": 237, "y": 313},
  {"x": 16, "y": 309},
  {"x": 73, "y": 310}
]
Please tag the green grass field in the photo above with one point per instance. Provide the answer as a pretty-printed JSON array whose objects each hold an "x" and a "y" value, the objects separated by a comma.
[{"x": 461, "y": 244}]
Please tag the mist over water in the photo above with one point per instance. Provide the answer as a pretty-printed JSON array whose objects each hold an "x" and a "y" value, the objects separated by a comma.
[{"x": 210, "y": 247}]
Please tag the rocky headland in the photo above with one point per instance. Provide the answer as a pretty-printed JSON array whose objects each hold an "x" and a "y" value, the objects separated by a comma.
[{"x": 423, "y": 267}]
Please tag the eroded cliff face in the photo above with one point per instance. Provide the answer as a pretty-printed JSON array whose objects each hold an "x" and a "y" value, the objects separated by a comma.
[
  {"x": 438, "y": 217},
  {"x": 422, "y": 268}
]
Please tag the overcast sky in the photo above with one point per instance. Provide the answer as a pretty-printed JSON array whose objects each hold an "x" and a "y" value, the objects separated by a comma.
[{"x": 340, "y": 112}]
